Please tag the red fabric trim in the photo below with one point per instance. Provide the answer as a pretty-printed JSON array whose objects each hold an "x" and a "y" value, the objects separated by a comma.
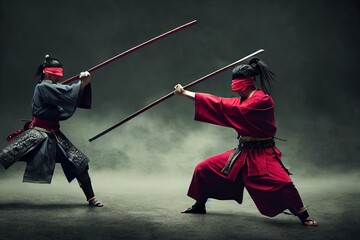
[{"x": 14, "y": 134}]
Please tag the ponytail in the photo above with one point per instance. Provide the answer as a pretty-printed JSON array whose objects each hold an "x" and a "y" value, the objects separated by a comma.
[{"x": 267, "y": 77}]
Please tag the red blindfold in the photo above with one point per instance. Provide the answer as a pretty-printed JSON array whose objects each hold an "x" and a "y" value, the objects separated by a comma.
[
  {"x": 54, "y": 71},
  {"x": 240, "y": 85}
]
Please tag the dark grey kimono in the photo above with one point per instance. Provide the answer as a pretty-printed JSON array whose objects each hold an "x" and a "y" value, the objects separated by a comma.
[{"x": 42, "y": 148}]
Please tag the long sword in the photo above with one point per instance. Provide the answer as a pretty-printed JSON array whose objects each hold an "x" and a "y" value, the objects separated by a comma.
[
  {"x": 172, "y": 94},
  {"x": 133, "y": 49}
]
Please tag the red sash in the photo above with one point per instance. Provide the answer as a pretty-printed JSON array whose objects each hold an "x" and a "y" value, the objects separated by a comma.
[{"x": 52, "y": 126}]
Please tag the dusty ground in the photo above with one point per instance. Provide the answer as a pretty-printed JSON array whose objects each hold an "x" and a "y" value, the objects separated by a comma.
[{"x": 148, "y": 207}]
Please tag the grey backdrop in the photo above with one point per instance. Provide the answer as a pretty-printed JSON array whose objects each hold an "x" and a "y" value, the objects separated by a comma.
[{"x": 312, "y": 46}]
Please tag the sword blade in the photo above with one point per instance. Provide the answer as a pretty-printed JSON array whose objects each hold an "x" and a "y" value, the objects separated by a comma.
[
  {"x": 133, "y": 49},
  {"x": 172, "y": 94}
]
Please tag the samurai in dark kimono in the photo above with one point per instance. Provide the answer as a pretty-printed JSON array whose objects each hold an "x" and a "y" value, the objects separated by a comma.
[
  {"x": 41, "y": 143},
  {"x": 256, "y": 163}
]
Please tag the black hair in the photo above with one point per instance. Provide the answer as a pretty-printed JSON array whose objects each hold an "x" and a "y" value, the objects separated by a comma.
[
  {"x": 49, "y": 62},
  {"x": 254, "y": 68}
]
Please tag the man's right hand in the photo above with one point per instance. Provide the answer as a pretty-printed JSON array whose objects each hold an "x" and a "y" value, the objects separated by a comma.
[
  {"x": 179, "y": 90},
  {"x": 85, "y": 78}
]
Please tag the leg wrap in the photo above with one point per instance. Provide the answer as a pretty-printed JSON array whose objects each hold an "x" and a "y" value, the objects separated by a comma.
[
  {"x": 303, "y": 214},
  {"x": 293, "y": 200},
  {"x": 85, "y": 184}
]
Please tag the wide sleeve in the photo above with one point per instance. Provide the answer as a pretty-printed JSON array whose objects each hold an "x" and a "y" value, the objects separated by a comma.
[
  {"x": 63, "y": 96},
  {"x": 85, "y": 99},
  {"x": 253, "y": 117},
  {"x": 213, "y": 109}
]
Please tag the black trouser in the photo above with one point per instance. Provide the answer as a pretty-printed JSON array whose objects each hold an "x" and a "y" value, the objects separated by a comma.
[{"x": 70, "y": 172}]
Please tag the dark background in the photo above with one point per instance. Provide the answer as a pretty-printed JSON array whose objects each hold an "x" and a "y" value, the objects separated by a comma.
[{"x": 312, "y": 46}]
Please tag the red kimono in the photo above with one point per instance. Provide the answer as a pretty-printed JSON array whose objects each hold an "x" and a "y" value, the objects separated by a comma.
[{"x": 259, "y": 170}]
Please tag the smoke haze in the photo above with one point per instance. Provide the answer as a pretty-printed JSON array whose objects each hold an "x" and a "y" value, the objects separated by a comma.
[{"x": 312, "y": 46}]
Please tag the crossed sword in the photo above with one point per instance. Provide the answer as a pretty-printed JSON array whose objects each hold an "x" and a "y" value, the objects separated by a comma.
[{"x": 197, "y": 81}]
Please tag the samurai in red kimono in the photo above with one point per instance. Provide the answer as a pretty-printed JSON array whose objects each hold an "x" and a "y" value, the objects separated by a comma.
[
  {"x": 41, "y": 143},
  {"x": 256, "y": 163}
]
